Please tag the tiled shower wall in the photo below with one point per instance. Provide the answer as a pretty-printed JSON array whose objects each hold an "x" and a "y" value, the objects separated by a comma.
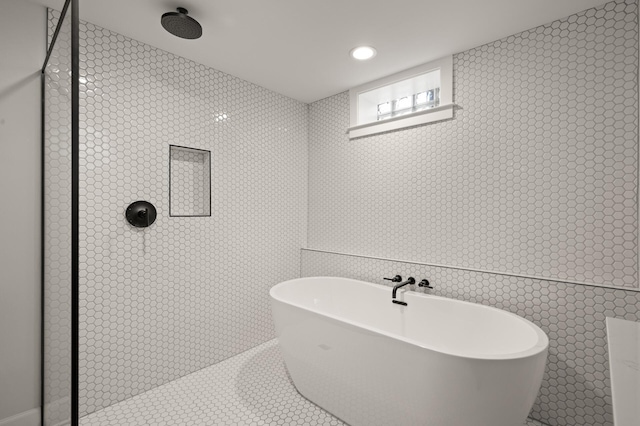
[
  {"x": 536, "y": 174},
  {"x": 162, "y": 302},
  {"x": 529, "y": 191}
]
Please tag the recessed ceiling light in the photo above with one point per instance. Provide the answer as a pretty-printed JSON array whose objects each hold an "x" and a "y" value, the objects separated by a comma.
[{"x": 362, "y": 53}]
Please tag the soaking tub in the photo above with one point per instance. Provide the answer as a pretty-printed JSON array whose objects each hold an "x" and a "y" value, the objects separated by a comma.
[{"x": 436, "y": 361}]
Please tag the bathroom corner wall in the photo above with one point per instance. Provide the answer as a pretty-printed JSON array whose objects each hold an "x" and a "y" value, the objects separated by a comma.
[
  {"x": 187, "y": 292},
  {"x": 527, "y": 193}
]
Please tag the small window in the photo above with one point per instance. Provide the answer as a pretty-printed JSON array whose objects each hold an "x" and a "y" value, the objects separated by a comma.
[
  {"x": 189, "y": 181},
  {"x": 416, "y": 96}
]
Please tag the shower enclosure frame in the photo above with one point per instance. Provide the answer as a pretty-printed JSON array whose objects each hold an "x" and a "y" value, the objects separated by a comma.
[{"x": 75, "y": 209}]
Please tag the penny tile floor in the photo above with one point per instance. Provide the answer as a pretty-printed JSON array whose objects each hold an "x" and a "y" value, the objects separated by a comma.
[{"x": 251, "y": 388}]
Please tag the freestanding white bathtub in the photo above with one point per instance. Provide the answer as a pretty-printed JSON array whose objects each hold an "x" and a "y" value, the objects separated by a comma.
[{"x": 435, "y": 362}]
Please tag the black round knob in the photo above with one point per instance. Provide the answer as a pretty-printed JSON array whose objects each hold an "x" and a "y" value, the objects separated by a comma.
[
  {"x": 141, "y": 214},
  {"x": 425, "y": 283}
]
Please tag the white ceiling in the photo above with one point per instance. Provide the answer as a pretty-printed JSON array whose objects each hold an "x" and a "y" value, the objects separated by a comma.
[{"x": 300, "y": 47}]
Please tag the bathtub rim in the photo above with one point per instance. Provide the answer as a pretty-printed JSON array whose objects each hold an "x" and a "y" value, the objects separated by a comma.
[{"x": 540, "y": 346}]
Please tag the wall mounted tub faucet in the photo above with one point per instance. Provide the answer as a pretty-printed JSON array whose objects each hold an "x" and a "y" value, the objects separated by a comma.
[
  {"x": 398, "y": 279},
  {"x": 409, "y": 281}
]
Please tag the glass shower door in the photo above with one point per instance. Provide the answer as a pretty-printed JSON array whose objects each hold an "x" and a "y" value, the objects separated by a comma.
[{"x": 58, "y": 395}]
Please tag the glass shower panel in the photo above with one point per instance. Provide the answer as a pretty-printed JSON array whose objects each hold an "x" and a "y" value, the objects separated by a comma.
[{"x": 57, "y": 180}]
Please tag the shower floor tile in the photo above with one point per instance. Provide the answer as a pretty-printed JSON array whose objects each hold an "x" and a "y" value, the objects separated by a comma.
[{"x": 252, "y": 388}]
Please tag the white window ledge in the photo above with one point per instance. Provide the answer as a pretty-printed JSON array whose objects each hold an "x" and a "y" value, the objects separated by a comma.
[
  {"x": 365, "y": 100},
  {"x": 442, "y": 112}
]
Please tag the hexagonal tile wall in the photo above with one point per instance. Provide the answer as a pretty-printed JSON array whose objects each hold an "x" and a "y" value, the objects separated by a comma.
[
  {"x": 576, "y": 386},
  {"x": 161, "y": 302},
  {"x": 536, "y": 174}
]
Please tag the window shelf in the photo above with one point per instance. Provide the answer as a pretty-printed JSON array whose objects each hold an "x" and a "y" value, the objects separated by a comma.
[
  {"x": 385, "y": 104},
  {"x": 442, "y": 112}
]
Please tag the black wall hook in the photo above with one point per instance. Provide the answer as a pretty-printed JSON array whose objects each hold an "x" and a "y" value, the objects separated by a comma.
[{"x": 141, "y": 214}]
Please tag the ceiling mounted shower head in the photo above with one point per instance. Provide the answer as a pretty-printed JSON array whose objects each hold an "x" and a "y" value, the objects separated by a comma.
[{"x": 181, "y": 25}]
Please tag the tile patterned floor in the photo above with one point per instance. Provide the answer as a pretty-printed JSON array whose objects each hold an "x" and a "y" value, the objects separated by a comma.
[{"x": 252, "y": 388}]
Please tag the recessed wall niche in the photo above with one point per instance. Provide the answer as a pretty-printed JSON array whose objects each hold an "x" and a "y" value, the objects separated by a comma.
[{"x": 189, "y": 182}]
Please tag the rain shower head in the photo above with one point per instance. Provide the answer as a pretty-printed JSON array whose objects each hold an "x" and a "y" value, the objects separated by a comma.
[{"x": 181, "y": 25}]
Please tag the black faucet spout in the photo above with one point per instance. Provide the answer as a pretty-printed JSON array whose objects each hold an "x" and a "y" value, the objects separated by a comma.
[{"x": 409, "y": 281}]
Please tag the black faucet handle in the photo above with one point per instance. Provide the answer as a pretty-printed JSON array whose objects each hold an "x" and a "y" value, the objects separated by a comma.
[
  {"x": 395, "y": 279},
  {"x": 424, "y": 283}
]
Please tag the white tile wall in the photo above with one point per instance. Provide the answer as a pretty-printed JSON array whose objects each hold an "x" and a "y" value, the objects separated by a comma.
[
  {"x": 536, "y": 174},
  {"x": 162, "y": 302}
]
